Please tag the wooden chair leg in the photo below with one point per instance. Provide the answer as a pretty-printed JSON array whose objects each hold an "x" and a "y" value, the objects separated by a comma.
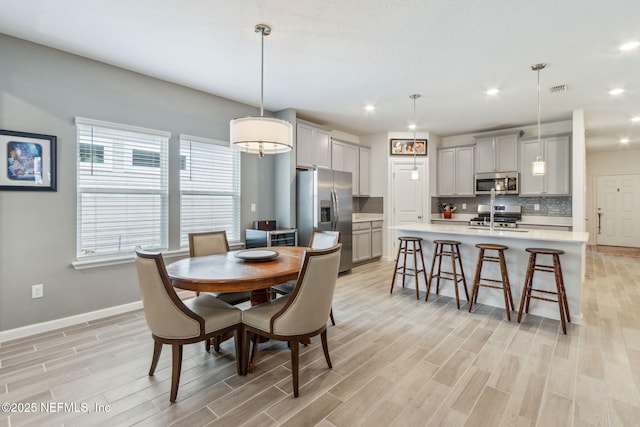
[
  {"x": 333, "y": 322},
  {"x": 207, "y": 345},
  {"x": 325, "y": 348},
  {"x": 464, "y": 281},
  {"x": 237, "y": 337},
  {"x": 526, "y": 289},
  {"x": 395, "y": 269},
  {"x": 175, "y": 370},
  {"x": 254, "y": 353},
  {"x": 157, "y": 349},
  {"x": 415, "y": 269},
  {"x": 216, "y": 343},
  {"x": 246, "y": 345},
  {"x": 295, "y": 354},
  {"x": 455, "y": 274}
]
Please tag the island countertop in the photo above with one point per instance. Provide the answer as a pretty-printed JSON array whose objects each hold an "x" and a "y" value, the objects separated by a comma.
[
  {"x": 547, "y": 235},
  {"x": 573, "y": 262}
]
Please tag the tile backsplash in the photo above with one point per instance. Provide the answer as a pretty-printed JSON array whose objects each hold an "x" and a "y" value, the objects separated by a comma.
[
  {"x": 368, "y": 205},
  {"x": 549, "y": 206}
]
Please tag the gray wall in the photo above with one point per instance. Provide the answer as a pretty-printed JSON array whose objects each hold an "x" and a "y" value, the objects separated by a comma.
[{"x": 42, "y": 90}]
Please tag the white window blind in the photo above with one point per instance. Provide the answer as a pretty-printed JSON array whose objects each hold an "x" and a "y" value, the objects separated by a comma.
[
  {"x": 122, "y": 188},
  {"x": 209, "y": 188}
]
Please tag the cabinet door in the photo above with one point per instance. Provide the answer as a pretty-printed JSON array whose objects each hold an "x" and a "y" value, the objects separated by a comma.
[
  {"x": 364, "y": 167},
  {"x": 530, "y": 184},
  {"x": 362, "y": 245},
  {"x": 485, "y": 155},
  {"x": 446, "y": 170},
  {"x": 322, "y": 148},
  {"x": 350, "y": 164},
  {"x": 557, "y": 155},
  {"x": 304, "y": 145},
  {"x": 376, "y": 242},
  {"x": 506, "y": 150},
  {"x": 464, "y": 172},
  {"x": 337, "y": 156}
]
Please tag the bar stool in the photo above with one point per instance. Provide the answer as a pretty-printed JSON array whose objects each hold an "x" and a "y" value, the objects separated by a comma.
[
  {"x": 457, "y": 275},
  {"x": 560, "y": 293},
  {"x": 504, "y": 281},
  {"x": 404, "y": 249}
]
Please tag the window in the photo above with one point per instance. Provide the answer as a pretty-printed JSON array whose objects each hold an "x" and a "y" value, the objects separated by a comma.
[
  {"x": 122, "y": 188},
  {"x": 209, "y": 188}
]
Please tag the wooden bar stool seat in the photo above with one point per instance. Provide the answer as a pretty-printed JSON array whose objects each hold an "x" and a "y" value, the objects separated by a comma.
[
  {"x": 450, "y": 249},
  {"x": 410, "y": 246},
  {"x": 560, "y": 293},
  {"x": 503, "y": 281}
]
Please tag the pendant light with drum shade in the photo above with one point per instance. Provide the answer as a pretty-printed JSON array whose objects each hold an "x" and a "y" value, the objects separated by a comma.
[
  {"x": 261, "y": 135},
  {"x": 415, "y": 175},
  {"x": 538, "y": 166}
]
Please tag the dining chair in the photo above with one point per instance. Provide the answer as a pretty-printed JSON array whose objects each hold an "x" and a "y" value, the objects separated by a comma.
[
  {"x": 319, "y": 240},
  {"x": 302, "y": 314},
  {"x": 212, "y": 243},
  {"x": 175, "y": 322}
]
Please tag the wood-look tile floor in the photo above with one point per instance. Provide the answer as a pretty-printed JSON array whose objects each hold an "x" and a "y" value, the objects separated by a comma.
[{"x": 396, "y": 361}]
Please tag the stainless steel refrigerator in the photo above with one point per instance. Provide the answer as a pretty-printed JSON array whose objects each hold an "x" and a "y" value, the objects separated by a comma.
[{"x": 324, "y": 202}]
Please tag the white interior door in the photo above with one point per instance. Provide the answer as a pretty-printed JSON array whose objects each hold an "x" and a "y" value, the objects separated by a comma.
[
  {"x": 617, "y": 199},
  {"x": 407, "y": 197}
]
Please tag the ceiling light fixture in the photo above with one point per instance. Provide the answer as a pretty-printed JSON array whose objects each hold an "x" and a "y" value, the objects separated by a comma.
[
  {"x": 635, "y": 119},
  {"x": 538, "y": 166},
  {"x": 369, "y": 107},
  {"x": 630, "y": 45},
  {"x": 415, "y": 175},
  {"x": 616, "y": 91},
  {"x": 261, "y": 135},
  {"x": 624, "y": 141},
  {"x": 492, "y": 92}
]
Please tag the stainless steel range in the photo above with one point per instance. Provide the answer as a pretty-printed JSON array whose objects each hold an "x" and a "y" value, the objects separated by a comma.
[{"x": 503, "y": 216}]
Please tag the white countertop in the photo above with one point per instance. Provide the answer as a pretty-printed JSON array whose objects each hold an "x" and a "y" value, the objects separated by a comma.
[
  {"x": 548, "y": 235},
  {"x": 365, "y": 217}
]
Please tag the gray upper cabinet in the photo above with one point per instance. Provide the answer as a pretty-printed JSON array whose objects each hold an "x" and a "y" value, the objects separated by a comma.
[
  {"x": 455, "y": 171},
  {"x": 351, "y": 158},
  {"x": 497, "y": 153},
  {"x": 313, "y": 146},
  {"x": 556, "y": 151}
]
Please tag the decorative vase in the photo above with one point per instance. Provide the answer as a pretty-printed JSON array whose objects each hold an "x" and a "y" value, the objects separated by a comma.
[{"x": 447, "y": 214}]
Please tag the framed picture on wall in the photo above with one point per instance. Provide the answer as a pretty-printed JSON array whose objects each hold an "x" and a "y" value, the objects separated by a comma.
[
  {"x": 405, "y": 147},
  {"x": 31, "y": 161}
]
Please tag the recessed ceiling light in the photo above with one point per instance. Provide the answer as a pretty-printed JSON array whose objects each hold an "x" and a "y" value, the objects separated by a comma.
[
  {"x": 616, "y": 91},
  {"x": 493, "y": 91},
  {"x": 369, "y": 107},
  {"x": 630, "y": 45},
  {"x": 635, "y": 119},
  {"x": 624, "y": 141},
  {"x": 412, "y": 126}
]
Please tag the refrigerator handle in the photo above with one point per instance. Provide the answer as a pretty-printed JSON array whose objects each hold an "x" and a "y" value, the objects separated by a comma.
[
  {"x": 337, "y": 207},
  {"x": 334, "y": 200}
]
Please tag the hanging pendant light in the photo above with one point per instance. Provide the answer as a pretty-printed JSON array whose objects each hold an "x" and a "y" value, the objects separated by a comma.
[
  {"x": 538, "y": 166},
  {"x": 261, "y": 135},
  {"x": 415, "y": 175}
]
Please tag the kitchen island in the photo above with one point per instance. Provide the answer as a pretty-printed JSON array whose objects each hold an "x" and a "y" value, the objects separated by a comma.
[{"x": 573, "y": 262}]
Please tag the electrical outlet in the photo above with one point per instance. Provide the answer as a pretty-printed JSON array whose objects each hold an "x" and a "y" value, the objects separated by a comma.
[
  {"x": 253, "y": 207},
  {"x": 536, "y": 207},
  {"x": 37, "y": 291},
  {"x": 464, "y": 206}
]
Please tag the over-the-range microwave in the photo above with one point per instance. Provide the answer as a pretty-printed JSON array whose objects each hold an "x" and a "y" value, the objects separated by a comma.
[{"x": 504, "y": 183}]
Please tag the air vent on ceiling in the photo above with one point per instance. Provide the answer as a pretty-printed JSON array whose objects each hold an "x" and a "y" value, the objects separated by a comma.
[{"x": 559, "y": 88}]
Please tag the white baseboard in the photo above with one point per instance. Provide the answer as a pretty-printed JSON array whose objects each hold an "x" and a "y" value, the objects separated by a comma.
[{"x": 52, "y": 325}]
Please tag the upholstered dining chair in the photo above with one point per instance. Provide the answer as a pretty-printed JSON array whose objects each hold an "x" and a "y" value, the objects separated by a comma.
[
  {"x": 319, "y": 240},
  {"x": 302, "y": 314},
  {"x": 177, "y": 323},
  {"x": 211, "y": 243}
]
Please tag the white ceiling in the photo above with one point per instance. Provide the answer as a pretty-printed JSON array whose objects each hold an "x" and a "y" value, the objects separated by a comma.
[{"x": 327, "y": 59}]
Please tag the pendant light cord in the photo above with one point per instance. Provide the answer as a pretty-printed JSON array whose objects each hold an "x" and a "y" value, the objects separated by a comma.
[{"x": 262, "y": 72}]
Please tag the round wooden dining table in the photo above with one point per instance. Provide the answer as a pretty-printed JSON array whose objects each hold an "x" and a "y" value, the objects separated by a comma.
[{"x": 228, "y": 273}]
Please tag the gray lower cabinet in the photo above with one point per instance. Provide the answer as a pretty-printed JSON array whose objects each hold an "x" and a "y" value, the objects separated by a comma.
[{"x": 367, "y": 241}]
